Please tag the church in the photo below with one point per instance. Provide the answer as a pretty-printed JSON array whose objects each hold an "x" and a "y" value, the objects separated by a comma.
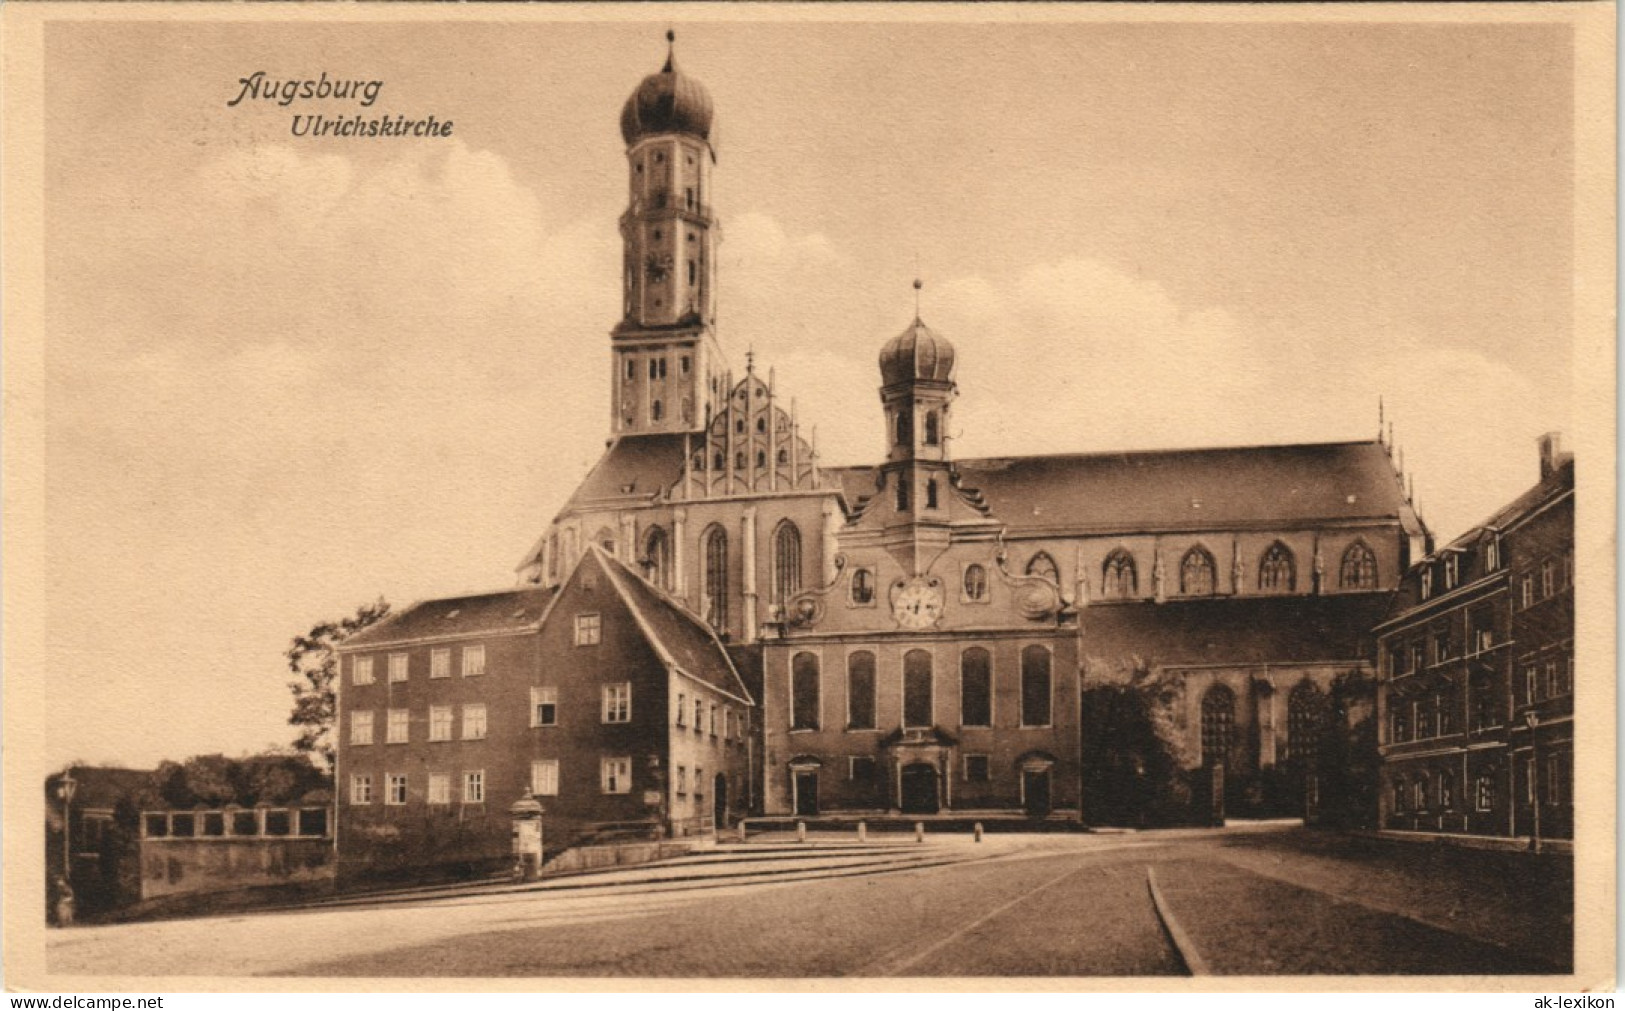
[{"x": 915, "y": 635}]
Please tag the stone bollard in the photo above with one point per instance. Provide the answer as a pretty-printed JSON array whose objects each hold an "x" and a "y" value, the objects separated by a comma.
[
  {"x": 741, "y": 831},
  {"x": 919, "y": 831},
  {"x": 863, "y": 831},
  {"x": 801, "y": 831},
  {"x": 978, "y": 831}
]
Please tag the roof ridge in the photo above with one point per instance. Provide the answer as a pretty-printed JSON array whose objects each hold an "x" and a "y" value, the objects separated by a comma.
[{"x": 1106, "y": 454}]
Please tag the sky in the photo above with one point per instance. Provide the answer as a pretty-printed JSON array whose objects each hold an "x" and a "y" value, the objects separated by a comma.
[{"x": 286, "y": 376}]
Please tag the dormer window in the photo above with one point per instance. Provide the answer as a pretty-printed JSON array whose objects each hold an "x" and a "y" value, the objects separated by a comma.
[
  {"x": 1492, "y": 554},
  {"x": 1427, "y": 583},
  {"x": 1452, "y": 571}
]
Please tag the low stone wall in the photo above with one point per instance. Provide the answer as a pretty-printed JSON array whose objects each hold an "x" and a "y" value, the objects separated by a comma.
[
  {"x": 592, "y": 858},
  {"x": 171, "y": 866}
]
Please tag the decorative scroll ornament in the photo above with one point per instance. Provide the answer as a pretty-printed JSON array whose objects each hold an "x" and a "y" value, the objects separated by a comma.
[
  {"x": 1036, "y": 598},
  {"x": 807, "y": 608}
]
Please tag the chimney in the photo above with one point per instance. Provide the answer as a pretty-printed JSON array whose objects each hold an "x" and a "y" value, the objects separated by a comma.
[{"x": 1551, "y": 453}]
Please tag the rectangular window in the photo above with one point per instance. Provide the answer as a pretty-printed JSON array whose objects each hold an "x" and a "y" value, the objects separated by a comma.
[
  {"x": 1548, "y": 578},
  {"x": 1526, "y": 591},
  {"x": 1396, "y": 661},
  {"x": 976, "y": 768},
  {"x": 439, "y": 723},
  {"x": 1492, "y": 555},
  {"x": 860, "y": 769},
  {"x": 588, "y": 629},
  {"x": 682, "y": 709},
  {"x": 615, "y": 775},
  {"x": 474, "y": 722},
  {"x": 1531, "y": 682},
  {"x": 1399, "y": 730},
  {"x": 440, "y": 663},
  {"x": 699, "y": 710},
  {"x": 975, "y": 688},
  {"x": 1035, "y": 687},
  {"x": 361, "y": 670},
  {"x": 1452, "y": 569},
  {"x": 400, "y": 723},
  {"x": 397, "y": 667},
  {"x": 618, "y": 703},
  {"x": 1554, "y": 681},
  {"x": 860, "y": 690},
  {"x": 1484, "y": 793},
  {"x": 1427, "y": 583},
  {"x": 1529, "y": 782},
  {"x": 544, "y": 706},
  {"x": 474, "y": 787},
  {"x": 1483, "y": 630},
  {"x": 473, "y": 661},
  {"x": 396, "y": 794},
  {"x": 361, "y": 788},
  {"x": 440, "y": 789},
  {"x": 544, "y": 777},
  {"x": 1418, "y": 658},
  {"x": 713, "y": 717},
  {"x": 682, "y": 781},
  {"x": 699, "y": 784},
  {"x": 361, "y": 726}
]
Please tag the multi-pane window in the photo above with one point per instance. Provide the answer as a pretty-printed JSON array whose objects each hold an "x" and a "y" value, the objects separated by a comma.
[
  {"x": 474, "y": 721},
  {"x": 975, "y": 688},
  {"x": 713, "y": 720},
  {"x": 1447, "y": 791},
  {"x": 1452, "y": 571},
  {"x": 474, "y": 787},
  {"x": 1399, "y": 727},
  {"x": 361, "y": 726},
  {"x": 803, "y": 692},
  {"x": 1554, "y": 680},
  {"x": 1483, "y": 630},
  {"x": 1399, "y": 795},
  {"x": 615, "y": 775},
  {"x": 1427, "y": 583},
  {"x": 361, "y": 788},
  {"x": 440, "y": 663},
  {"x": 1418, "y": 657},
  {"x": 400, "y": 722},
  {"x": 618, "y": 703},
  {"x": 1419, "y": 793},
  {"x": 1526, "y": 591},
  {"x": 1277, "y": 571},
  {"x": 917, "y": 689},
  {"x": 699, "y": 716},
  {"x": 682, "y": 709},
  {"x": 588, "y": 629},
  {"x": 699, "y": 784},
  {"x": 1035, "y": 687},
  {"x": 1196, "y": 573},
  {"x": 1359, "y": 568},
  {"x": 439, "y": 788},
  {"x": 1303, "y": 719},
  {"x": 1118, "y": 578},
  {"x": 1492, "y": 555},
  {"x": 1218, "y": 724},
  {"x": 975, "y": 583},
  {"x": 361, "y": 670},
  {"x": 1484, "y": 793},
  {"x": 544, "y": 706},
  {"x": 395, "y": 790},
  {"x": 1548, "y": 578},
  {"x": 473, "y": 661},
  {"x": 544, "y": 777},
  {"x": 860, "y": 690},
  {"x": 863, "y": 586},
  {"x": 786, "y": 562},
  {"x": 397, "y": 667},
  {"x": 440, "y": 723},
  {"x": 976, "y": 769},
  {"x": 715, "y": 587},
  {"x": 1531, "y": 682}
]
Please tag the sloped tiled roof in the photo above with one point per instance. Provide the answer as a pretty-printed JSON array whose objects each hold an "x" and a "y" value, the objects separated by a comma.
[
  {"x": 1179, "y": 489},
  {"x": 1239, "y": 630},
  {"x": 680, "y": 635},
  {"x": 477, "y": 614},
  {"x": 640, "y": 465}
]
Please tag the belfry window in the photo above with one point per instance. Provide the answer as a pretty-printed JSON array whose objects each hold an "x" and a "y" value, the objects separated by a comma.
[
  {"x": 1277, "y": 572},
  {"x": 786, "y": 562},
  {"x": 1359, "y": 569},
  {"x": 657, "y": 410},
  {"x": 1117, "y": 579},
  {"x": 902, "y": 494},
  {"x": 716, "y": 578},
  {"x": 1196, "y": 573},
  {"x": 905, "y": 427},
  {"x": 692, "y": 274},
  {"x": 761, "y": 458},
  {"x": 931, "y": 493}
]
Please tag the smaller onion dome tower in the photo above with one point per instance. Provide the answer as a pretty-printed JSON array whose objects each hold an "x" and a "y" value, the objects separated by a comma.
[{"x": 917, "y": 391}]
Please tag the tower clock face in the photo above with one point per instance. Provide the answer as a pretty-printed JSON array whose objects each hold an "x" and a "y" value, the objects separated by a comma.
[
  {"x": 918, "y": 604},
  {"x": 657, "y": 267}
]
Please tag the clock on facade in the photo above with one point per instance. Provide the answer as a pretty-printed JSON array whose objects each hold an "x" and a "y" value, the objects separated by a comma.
[
  {"x": 657, "y": 267},
  {"x": 919, "y": 603}
]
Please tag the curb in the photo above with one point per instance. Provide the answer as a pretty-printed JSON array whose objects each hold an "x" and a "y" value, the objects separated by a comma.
[{"x": 1184, "y": 947}]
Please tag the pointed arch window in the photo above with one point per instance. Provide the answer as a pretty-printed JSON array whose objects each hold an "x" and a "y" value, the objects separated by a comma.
[
  {"x": 1277, "y": 571},
  {"x": 1359, "y": 569},
  {"x": 657, "y": 558},
  {"x": 1304, "y": 712},
  {"x": 716, "y": 577},
  {"x": 1043, "y": 566},
  {"x": 1218, "y": 724},
  {"x": 933, "y": 435},
  {"x": 1118, "y": 580},
  {"x": 1196, "y": 573},
  {"x": 786, "y": 562}
]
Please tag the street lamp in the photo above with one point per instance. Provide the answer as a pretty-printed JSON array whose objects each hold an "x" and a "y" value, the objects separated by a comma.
[
  {"x": 1532, "y": 719},
  {"x": 66, "y": 788}
]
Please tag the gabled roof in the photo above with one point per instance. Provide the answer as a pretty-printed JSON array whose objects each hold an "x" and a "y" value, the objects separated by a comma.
[
  {"x": 1180, "y": 489},
  {"x": 680, "y": 637},
  {"x": 496, "y": 613},
  {"x": 1235, "y": 630}
]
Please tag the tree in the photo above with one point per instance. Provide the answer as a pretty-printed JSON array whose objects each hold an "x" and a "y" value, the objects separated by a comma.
[{"x": 312, "y": 659}]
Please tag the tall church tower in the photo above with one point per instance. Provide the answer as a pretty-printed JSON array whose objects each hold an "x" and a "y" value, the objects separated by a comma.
[{"x": 667, "y": 364}]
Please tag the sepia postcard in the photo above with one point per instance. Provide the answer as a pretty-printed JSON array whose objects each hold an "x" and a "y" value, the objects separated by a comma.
[{"x": 809, "y": 497}]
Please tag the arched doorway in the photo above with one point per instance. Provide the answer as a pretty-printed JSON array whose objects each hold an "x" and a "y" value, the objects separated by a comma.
[
  {"x": 719, "y": 803},
  {"x": 919, "y": 789}
]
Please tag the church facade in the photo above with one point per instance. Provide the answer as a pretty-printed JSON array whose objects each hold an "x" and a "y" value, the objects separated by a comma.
[{"x": 917, "y": 632}]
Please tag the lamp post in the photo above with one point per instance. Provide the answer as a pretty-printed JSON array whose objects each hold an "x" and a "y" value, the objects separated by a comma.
[
  {"x": 65, "y": 788},
  {"x": 1532, "y": 719}
]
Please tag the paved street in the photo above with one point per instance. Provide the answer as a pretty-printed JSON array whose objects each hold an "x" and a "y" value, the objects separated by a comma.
[{"x": 1261, "y": 900}]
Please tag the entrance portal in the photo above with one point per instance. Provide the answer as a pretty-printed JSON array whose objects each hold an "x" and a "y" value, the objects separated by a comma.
[
  {"x": 807, "y": 794},
  {"x": 919, "y": 782},
  {"x": 1035, "y": 792},
  {"x": 719, "y": 803}
]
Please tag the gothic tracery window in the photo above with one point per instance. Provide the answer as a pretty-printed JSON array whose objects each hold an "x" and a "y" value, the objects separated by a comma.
[
  {"x": 1196, "y": 573},
  {"x": 1118, "y": 578},
  {"x": 1304, "y": 711},
  {"x": 1359, "y": 569},
  {"x": 716, "y": 577},
  {"x": 1218, "y": 724},
  {"x": 786, "y": 562},
  {"x": 1277, "y": 573},
  {"x": 1043, "y": 566}
]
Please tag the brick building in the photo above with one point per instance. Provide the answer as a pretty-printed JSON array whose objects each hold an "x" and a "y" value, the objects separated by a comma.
[{"x": 1476, "y": 687}]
